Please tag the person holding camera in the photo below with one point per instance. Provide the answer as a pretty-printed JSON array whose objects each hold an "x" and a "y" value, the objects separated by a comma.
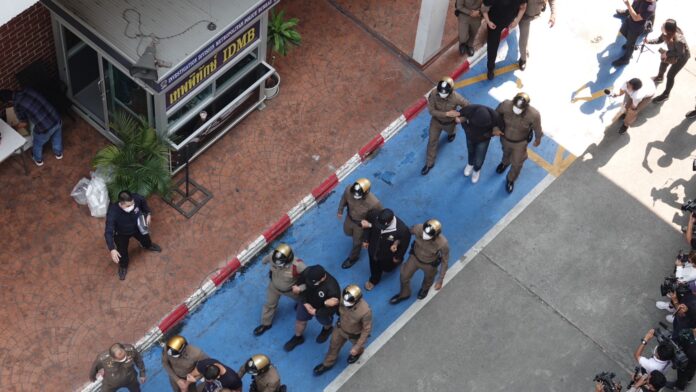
[
  {"x": 653, "y": 381},
  {"x": 687, "y": 342},
  {"x": 660, "y": 360},
  {"x": 689, "y": 233},
  {"x": 675, "y": 56},
  {"x": 683, "y": 301}
]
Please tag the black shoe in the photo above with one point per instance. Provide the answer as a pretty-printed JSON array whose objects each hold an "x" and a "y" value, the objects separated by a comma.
[
  {"x": 396, "y": 299},
  {"x": 422, "y": 293},
  {"x": 324, "y": 334},
  {"x": 522, "y": 64},
  {"x": 623, "y": 129},
  {"x": 622, "y": 116},
  {"x": 462, "y": 49},
  {"x": 347, "y": 263},
  {"x": 657, "y": 79},
  {"x": 509, "y": 186},
  {"x": 293, "y": 342},
  {"x": 470, "y": 51},
  {"x": 450, "y": 138},
  {"x": 122, "y": 273},
  {"x": 620, "y": 62},
  {"x": 501, "y": 168},
  {"x": 490, "y": 74},
  {"x": 691, "y": 114},
  {"x": 661, "y": 98},
  {"x": 154, "y": 248},
  {"x": 321, "y": 369},
  {"x": 353, "y": 358},
  {"x": 258, "y": 331},
  {"x": 425, "y": 170}
]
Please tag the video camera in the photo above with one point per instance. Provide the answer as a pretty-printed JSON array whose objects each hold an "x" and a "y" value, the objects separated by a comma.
[
  {"x": 664, "y": 335},
  {"x": 689, "y": 205},
  {"x": 607, "y": 380},
  {"x": 672, "y": 285},
  {"x": 683, "y": 257}
]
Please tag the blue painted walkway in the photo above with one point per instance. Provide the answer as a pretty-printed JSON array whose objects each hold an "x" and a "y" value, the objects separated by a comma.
[{"x": 223, "y": 325}]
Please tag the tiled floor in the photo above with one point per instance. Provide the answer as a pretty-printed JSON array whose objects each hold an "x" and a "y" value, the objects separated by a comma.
[{"x": 61, "y": 300}]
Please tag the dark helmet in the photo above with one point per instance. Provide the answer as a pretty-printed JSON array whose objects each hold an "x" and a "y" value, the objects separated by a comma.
[
  {"x": 385, "y": 218},
  {"x": 445, "y": 86},
  {"x": 176, "y": 345},
  {"x": 360, "y": 188},
  {"x": 282, "y": 255},
  {"x": 432, "y": 227},
  {"x": 351, "y": 295},
  {"x": 257, "y": 364},
  {"x": 521, "y": 100}
]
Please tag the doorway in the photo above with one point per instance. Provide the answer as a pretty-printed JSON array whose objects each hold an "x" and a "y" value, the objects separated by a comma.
[{"x": 84, "y": 77}]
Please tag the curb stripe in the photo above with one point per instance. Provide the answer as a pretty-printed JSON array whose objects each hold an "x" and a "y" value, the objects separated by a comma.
[
  {"x": 277, "y": 229},
  {"x": 225, "y": 272},
  {"x": 370, "y": 147},
  {"x": 414, "y": 109},
  {"x": 173, "y": 318},
  {"x": 325, "y": 188}
]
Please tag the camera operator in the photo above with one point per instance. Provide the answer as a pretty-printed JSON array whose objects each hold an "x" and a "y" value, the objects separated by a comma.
[
  {"x": 654, "y": 381},
  {"x": 684, "y": 376},
  {"x": 689, "y": 234},
  {"x": 685, "y": 271},
  {"x": 684, "y": 303},
  {"x": 660, "y": 360}
]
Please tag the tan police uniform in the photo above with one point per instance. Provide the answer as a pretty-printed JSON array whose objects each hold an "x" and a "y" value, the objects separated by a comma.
[
  {"x": 119, "y": 374},
  {"x": 517, "y": 129},
  {"x": 267, "y": 381},
  {"x": 423, "y": 256},
  {"x": 281, "y": 282},
  {"x": 534, "y": 9},
  {"x": 354, "y": 324},
  {"x": 468, "y": 24},
  {"x": 357, "y": 211},
  {"x": 438, "y": 108},
  {"x": 178, "y": 368}
]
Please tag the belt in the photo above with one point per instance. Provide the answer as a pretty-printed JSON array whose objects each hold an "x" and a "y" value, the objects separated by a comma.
[
  {"x": 282, "y": 291},
  {"x": 350, "y": 335},
  {"x": 515, "y": 141},
  {"x": 423, "y": 262}
]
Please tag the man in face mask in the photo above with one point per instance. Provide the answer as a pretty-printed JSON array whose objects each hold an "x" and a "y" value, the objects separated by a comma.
[
  {"x": 386, "y": 240},
  {"x": 129, "y": 217},
  {"x": 117, "y": 368},
  {"x": 319, "y": 299},
  {"x": 354, "y": 324},
  {"x": 359, "y": 201},
  {"x": 429, "y": 250},
  {"x": 284, "y": 273},
  {"x": 264, "y": 376},
  {"x": 179, "y": 359},
  {"x": 442, "y": 105},
  {"x": 522, "y": 121}
]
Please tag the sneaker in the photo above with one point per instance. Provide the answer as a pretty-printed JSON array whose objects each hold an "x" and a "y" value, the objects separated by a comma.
[
  {"x": 38, "y": 163},
  {"x": 59, "y": 156},
  {"x": 660, "y": 98},
  {"x": 691, "y": 114},
  {"x": 669, "y": 318},
  {"x": 324, "y": 334},
  {"x": 664, "y": 305},
  {"x": 468, "y": 170},
  {"x": 293, "y": 342},
  {"x": 475, "y": 177}
]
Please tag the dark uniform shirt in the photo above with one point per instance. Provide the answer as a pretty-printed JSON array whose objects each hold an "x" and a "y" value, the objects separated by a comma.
[
  {"x": 645, "y": 10},
  {"x": 518, "y": 126},
  {"x": 677, "y": 48},
  {"x": 229, "y": 380},
  {"x": 316, "y": 295},
  {"x": 480, "y": 121},
  {"x": 380, "y": 242},
  {"x": 122, "y": 222},
  {"x": 30, "y": 105},
  {"x": 503, "y": 12},
  {"x": 118, "y": 373}
]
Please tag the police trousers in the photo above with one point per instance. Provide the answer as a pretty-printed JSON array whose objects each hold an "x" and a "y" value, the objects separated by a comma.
[
  {"x": 434, "y": 133},
  {"x": 468, "y": 27},
  {"x": 272, "y": 297},
  {"x": 409, "y": 268},
  {"x": 514, "y": 154},
  {"x": 355, "y": 231},
  {"x": 338, "y": 339}
]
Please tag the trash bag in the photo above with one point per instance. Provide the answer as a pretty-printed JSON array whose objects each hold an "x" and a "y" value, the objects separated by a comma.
[
  {"x": 97, "y": 196},
  {"x": 79, "y": 192}
]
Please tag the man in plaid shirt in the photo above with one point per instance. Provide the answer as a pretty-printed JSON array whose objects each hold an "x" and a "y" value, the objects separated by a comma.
[{"x": 31, "y": 106}]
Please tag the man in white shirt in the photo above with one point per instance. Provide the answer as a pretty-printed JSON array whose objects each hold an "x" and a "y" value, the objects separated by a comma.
[
  {"x": 638, "y": 95},
  {"x": 662, "y": 355}
]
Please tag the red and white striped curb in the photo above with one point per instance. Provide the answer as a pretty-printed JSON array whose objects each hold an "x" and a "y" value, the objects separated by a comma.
[{"x": 317, "y": 195}]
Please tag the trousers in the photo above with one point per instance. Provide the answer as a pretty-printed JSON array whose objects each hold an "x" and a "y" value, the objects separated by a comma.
[
  {"x": 355, "y": 231},
  {"x": 409, "y": 269},
  {"x": 434, "y": 133},
  {"x": 525, "y": 24},
  {"x": 40, "y": 139},
  {"x": 672, "y": 73},
  {"x": 493, "y": 41},
  {"x": 121, "y": 241},
  {"x": 272, "y": 298},
  {"x": 514, "y": 154},
  {"x": 338, "y": 339},
  {"x": 468, "y": 27},
  {"x": 476, "y": 153}
]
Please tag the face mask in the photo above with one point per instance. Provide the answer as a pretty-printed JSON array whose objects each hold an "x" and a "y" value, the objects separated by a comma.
[
  {"x": 427, "y": 237},
  {"x": 129, "y": 208},
  {"x": 443, "y": 95},
  {"x": 279, "y": 264},
  {"x": 171, "y": 353},
  {"x": 125, "y": 358},
  {"x": 347, "y": 304},
  {"x": 517, "y": 110},
  {"x": 357, "y": 197}
]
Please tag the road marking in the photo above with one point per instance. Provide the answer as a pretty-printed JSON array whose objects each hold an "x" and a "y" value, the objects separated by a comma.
[
  {"x": 593, "y": 95},
  {"x": 519, "y": 83},
  {"x": 478, "y": 78},
  {"x": 559, "y": 164},
  {"x": 412, "y": 310}
]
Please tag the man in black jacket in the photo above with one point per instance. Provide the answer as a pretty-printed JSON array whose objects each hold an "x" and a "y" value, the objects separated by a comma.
[
  {"x": 480, "y": 123},
  {"x": 386, "y": 239},
  {"x": 129, "y": 217},
  {"x": 320, "y": 293}
]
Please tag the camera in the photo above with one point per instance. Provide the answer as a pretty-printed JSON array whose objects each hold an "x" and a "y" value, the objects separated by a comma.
[
  {"x": 689, "y": 205},
  {"x": 664, "y": 335},
  {"x": 672, "y": 285},
  {"x": 607, "y": 380}
]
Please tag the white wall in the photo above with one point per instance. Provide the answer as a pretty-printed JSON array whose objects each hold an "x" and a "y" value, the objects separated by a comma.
[{"x": 12, "y": 8}]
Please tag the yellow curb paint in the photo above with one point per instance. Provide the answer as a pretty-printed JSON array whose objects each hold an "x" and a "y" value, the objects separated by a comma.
[
  {"x": 478, "y": 78},
  {"x": 519, "y": 83},
  {"x": 559, "y": 164}
]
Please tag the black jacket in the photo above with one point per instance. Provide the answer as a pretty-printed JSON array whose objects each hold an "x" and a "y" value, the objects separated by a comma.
[
  {"x": 316, "y": 295},
  {"x": 380, "y": 244},
  {"x": 122, "y": 222},
  {"x": 480, "y": 121}
]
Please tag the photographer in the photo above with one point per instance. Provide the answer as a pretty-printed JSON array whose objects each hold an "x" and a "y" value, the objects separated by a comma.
[
  {"x": 662, "y": 355},
  {"x": 685, "y": 271},
  {"x": 684, "y": 303},
  {"x": 654, "y": 381},
  {"x": 689, "y": 234},
  {"x": 687, "y": 342}
]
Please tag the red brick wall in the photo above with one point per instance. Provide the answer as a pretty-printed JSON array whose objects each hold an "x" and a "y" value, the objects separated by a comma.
[{"x": 24, "y": 39}]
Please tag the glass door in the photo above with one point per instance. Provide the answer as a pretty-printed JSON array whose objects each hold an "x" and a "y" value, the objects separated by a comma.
[
  {"x": 125, "y": 97},
  {"x": 84, "y": 77}
]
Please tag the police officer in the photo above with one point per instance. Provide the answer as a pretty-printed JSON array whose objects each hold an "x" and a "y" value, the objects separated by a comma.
[
  {"x": 522, "y": 122},
  {"x": 386, "y": 239},
  {"x": 354, "y": 324},
  {"x": 430, "y": 249},
  {"x": 534, "y": 9},
  {"x": 264, "y": 376},
  {"x": 319, "y": 299},
  {"x": 117, "y": 367},
  {"x": 284, "y": 273},
  {"x": 468, "y": 13},
  {"x": 178, "y": 360},
  {"x": 360, "y": 201},
  {"x": 442, "y": 105}
]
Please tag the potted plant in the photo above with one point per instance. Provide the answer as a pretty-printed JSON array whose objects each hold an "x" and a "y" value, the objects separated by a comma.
[
  {"x": 281, "y": 35},
  {"x": 141, "y": 164}
]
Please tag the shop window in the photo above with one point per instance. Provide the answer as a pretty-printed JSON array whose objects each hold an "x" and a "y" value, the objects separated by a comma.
[
  {"x": 192, "y": 107},
  {"x": 231, "y": 75}
]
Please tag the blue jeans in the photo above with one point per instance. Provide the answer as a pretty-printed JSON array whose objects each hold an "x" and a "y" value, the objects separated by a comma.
[
  {"x": 477, "y": 152},
  {"x": 40, "y": 139}
]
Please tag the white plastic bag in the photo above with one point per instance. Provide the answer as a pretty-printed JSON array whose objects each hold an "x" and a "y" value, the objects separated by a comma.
[
  {"x": 97, "y": 196},
  {"x": 79, "y": 192}
]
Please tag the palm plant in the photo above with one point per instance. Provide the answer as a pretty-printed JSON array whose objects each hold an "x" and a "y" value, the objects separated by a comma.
[
  {"x": 282, "y": 33},
  {"x": 141, "y": 164}
]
